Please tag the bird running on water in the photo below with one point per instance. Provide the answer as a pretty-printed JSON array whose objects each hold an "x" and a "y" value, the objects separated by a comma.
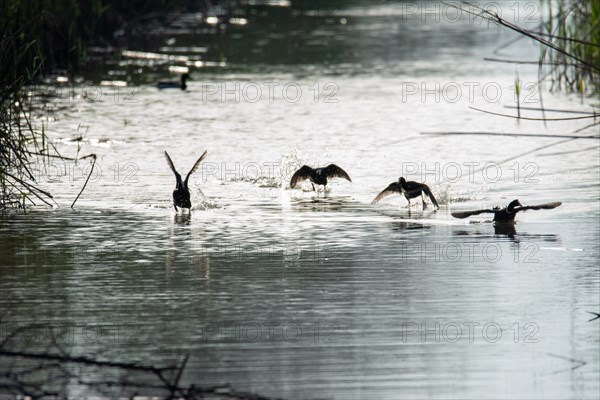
[
  {"x": 175, "y": 85},
  {"x": 318, "y": 176},
  {"x": 507, "y": 215},
  {"x": 181, "y": 194},
  {"x": 409, "y": 189}
]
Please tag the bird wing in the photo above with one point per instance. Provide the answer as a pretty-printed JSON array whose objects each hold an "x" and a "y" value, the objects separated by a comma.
[
  {"x": 170, "y": 162},
  {"x": 546, "y": 206},
  {"x": 391, "y": 189},
  {"x": 430, "y": 195},
  {"x": 300, "y": 175},
  {"x": 333, "y": 171},
  {"x": 412, "y": 188},
  {"x": 412, "y": 185},
  {"x": 465, "y": 214},
  {"x": 196, "y": 165}
]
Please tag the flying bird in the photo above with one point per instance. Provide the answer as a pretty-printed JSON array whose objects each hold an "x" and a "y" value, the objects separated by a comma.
[
  {"x": 409, "y": 189},
  {"x": 507, "y": 215},
  {"x": 318, "y": 176},
  {"x": 181, "y": 194},
  {"x": 175, "y": 85}
]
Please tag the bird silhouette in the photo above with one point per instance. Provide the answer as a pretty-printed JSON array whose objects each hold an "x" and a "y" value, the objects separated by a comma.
[
  {"x": 409, "y": 189},
  {"x": 181, "y": 194},
  {"x": 318, "y": 176},
  {"x": 507, "y": 215},
  {"x": 175, "y": 85}
]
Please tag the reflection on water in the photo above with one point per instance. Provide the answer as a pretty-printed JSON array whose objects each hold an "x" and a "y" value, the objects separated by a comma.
[
  {"x": 509, "y": 231},
  {"x": 346, "y": 295},
  {"x": 183, "y": 218},
  {"x": 296, "y": 294}
]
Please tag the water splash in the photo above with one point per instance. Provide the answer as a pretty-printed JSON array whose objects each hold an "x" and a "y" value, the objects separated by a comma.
[
  {"x": 260, "y": 181},
  {"x": 206, "y": 204}
]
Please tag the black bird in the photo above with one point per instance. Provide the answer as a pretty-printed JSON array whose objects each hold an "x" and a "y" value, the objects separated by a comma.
[
  {"x": 318, "y": 175},
  {"x": 507, "y": 215},
  {"x": 175, "y": 85},
  {"x": 181, "y": 194},
  {"x": 410, "y": 189}
]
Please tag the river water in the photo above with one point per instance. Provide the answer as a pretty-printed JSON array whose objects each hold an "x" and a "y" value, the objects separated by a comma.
[{"x": 296, "y": 294}]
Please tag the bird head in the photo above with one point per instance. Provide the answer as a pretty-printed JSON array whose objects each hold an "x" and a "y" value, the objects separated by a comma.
[
  {"x": 402, "y": 180},
  {"x": 513, "y": 204}
]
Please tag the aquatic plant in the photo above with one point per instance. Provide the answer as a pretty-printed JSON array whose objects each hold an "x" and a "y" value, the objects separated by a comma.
[
  {"x": 574, "y": 27},
  {"x": 19, "y": 140},
  {"x": 569, "y": 38},
  {"x": 570, "y": 45}
]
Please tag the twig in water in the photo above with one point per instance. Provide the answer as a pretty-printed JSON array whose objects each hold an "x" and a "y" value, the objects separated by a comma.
[
  {"x": 533, "y": 119},
  {"x": 597, "y": 316},
  {"x": 493, "y": 17},
  {"x": 501, "y": 60},
  {"x": 88, "y": 178},
  {"x": 554, "y": 110},
  {"x": 175, "y": 385},
  {"x": 587, "y": 126},
  {"x": 567, "y": 39},
  {"x": 514, "y": 135},
  {"x": 528, "y": 152}
]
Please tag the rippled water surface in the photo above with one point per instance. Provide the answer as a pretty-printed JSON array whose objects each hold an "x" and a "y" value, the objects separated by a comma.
[{"x": 297, "y": 294}]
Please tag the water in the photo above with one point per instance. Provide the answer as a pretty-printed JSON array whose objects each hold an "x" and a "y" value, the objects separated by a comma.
[{"x": 294, "y": 294}]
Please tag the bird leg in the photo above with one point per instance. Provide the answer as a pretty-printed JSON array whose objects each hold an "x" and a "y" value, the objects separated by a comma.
[
  {"x": 423, "y": 200},
  {"x": 313, "y": 185},
  {"x": 175, "y": 207}
]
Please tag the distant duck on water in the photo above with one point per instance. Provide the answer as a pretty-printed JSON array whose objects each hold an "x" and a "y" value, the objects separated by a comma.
[
  {"x": 318, "y": 176},
  {"x": 409, "y": 189},
  {"x": 507, "y": 215},
  {"x": 181, "y": 194},
  {"x": 175, "y": 85}
]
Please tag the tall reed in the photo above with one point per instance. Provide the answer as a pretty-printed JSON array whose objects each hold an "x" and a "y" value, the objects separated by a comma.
[{"x": 573, "y": 26}]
